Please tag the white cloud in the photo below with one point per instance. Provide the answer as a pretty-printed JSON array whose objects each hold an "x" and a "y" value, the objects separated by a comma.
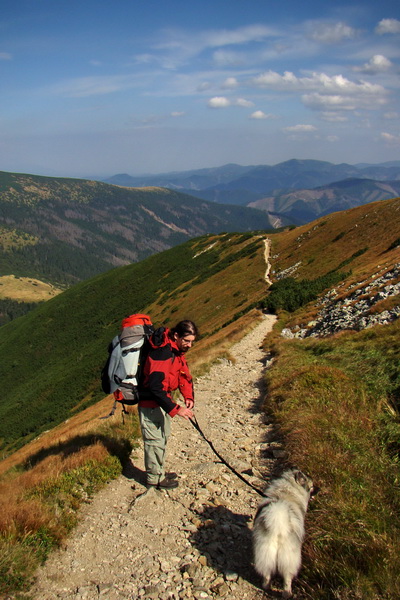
[
  {"x": 388, "y": 26},
  {"x": 317, "y": 101},
  {"x": 377, "y": 64},
  {"x": 274, "y": 80},
  {"x": 332, "y": 33},
  {"x": 230, "y": 83},
  {"x": 82, "y": 87},
  {"x": 177, "y": 113},
  {"x": 241, "y": 35},
  {"x": 332, "y": 138},
  {"x": 223, "y": 102},
  {"x": 5, "y": 56},
  {"x": 333, "y": 117},
  {"x": 243, "y": 102},
  {"x": 259, "y": 114},
  {"x": 391, "y": 115},
  {"x": 390, "y": 138},
  {"x": 325, "y": 92},
  {"x": 300, "y": 129},
  {"x": 317, "y": 81},
  {"x": 219, "y": 102},
  {"x": 228, "y": 58},
  {"x": 204, "y": 86}
]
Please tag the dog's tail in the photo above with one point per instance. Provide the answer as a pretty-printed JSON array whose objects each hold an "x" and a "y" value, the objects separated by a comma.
[{"x": 265, "y": 553}]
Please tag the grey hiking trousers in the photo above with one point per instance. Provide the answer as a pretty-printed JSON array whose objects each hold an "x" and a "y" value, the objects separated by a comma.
[{"x": 156, "y": 427}]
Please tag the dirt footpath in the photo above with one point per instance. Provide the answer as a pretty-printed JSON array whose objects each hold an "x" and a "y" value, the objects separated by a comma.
[{"x": 193, "y": 542}]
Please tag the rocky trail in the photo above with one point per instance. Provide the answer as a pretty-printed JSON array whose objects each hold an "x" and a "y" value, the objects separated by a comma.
[{"x": 193, "y": 542}]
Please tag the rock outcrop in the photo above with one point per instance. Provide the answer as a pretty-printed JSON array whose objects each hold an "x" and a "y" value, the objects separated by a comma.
[{"x": 351, "y": 308}]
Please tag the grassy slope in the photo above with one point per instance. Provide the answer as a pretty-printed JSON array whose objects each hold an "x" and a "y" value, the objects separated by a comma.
[
  {"x": 26, "y": 289},
  {"x": 59, "y": 348},
  {"x": 336, "y": 402},
  {"x": 324, "y": 244}
]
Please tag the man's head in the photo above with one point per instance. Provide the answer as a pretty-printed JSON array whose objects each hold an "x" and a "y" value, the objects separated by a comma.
[{"x": 184, "y": 333}]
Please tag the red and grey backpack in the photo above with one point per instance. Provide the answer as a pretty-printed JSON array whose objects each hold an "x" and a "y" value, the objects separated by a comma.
[{"x": 127, "y": 352}]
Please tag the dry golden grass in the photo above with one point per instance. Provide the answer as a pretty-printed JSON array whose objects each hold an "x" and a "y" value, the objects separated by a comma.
[
  {"x": 87, "y": 421},
  {"x": 344, "y": 233},
  {"x": 383, "y": 305},
  {"x": 242, "y": 285},
  {"x": 26, "y": 289},
  {"x": 330, "y": 399},
  {"x": 209, "y": 349},
  {"x": 52, "y": 476}
]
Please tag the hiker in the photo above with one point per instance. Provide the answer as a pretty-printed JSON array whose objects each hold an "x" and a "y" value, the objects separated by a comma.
[{"x": 165, "y": 370}]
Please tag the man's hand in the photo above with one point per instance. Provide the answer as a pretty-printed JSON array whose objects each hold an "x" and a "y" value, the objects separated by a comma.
[
  {"x": 189, "y": 403},
  {"x": 184, "y": 412}
]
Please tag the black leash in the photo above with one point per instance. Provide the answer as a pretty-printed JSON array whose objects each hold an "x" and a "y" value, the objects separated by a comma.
[{"x": 197, "y": 426}]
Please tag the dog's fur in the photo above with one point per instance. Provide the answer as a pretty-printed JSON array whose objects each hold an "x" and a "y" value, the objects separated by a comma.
[{"x": 278, "y": 529}]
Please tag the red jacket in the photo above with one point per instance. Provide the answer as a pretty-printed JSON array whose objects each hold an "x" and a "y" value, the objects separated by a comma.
[{"x": 165, "y": 370}]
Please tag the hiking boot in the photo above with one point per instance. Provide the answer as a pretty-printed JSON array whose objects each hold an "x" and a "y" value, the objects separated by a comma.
[
  {"x": 171, "y": 475},
  {"x": 167, "y": 484}
]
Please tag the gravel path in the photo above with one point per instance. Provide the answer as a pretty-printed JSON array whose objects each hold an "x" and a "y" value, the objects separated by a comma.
[{"x": 193, "y": 542}]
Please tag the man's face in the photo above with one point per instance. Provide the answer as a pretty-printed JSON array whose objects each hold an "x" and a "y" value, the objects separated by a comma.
[{"x": 184, "y": 343}]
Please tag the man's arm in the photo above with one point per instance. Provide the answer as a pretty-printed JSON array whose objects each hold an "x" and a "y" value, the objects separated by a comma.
[{"x": 186, "y": 385}]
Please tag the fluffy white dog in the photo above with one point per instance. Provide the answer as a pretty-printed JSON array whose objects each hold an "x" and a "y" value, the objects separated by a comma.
[{"x": 278, "y": 529}]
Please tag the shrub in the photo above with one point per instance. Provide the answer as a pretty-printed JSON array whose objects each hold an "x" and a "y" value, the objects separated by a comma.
[{"x": 290, "y": 294}]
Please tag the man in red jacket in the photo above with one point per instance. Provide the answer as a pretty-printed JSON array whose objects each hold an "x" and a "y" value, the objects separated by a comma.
[{"x": 165, "y": 370}]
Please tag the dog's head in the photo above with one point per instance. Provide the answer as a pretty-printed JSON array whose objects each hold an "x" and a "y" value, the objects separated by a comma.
[{"x": 306, "y": 482}]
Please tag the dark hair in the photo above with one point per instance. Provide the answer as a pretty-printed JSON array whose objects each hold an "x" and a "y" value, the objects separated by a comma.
[{"x": 185, "y": 327}]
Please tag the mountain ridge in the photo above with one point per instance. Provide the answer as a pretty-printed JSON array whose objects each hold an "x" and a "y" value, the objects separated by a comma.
[
  {"x": 69, "y": 230},
  {"x": 254, "y": 186},
  {"x": 268, "y": 177},
  {"x": 306, "y": 205}
]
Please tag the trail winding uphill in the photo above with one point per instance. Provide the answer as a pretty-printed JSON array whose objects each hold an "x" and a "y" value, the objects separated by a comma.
[
  {"x": 192, "y": 542},
  {"x": 267, "y": 250}
]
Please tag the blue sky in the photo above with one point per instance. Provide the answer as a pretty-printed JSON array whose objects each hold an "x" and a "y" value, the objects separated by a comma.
[{"x": 92, "y": 88}]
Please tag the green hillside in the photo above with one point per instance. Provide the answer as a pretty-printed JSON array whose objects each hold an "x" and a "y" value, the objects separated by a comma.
[
  {"x": 334, "y": 401},
  {"x": 51, "y": 358},
  {"x": 68, "y": 230}
]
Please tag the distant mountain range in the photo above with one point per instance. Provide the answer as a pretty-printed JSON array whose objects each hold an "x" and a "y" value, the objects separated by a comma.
[
  {"x": 63, "y": 230},
  {"x": 350, "y": 185},
  {"x": 67, "y": 230},
  {"x": 302, "y": 206}
]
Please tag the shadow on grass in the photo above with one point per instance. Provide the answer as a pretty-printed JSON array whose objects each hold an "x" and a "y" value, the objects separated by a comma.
[{"x": 121, "y": 448}]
